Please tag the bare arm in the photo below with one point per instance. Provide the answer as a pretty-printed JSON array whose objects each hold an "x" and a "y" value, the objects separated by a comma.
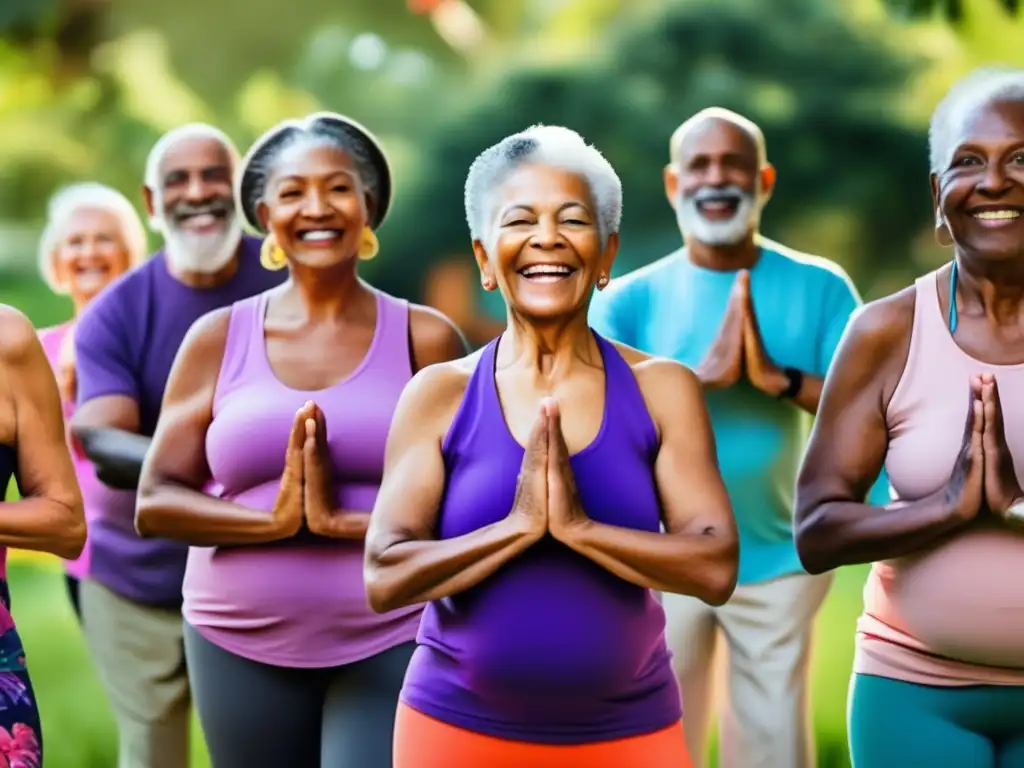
[
  {"x": 171, "y": 503},
  {"x": 405, "y": 562},
  {"x": 433, "y": 339},
  {"x": 698, "y": 554},
  {"x": 49, "y": 517},
  {"x": 847, "y": 447}
]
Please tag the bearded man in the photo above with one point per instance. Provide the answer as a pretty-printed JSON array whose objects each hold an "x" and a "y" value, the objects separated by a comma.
[
  {"x": 125, "y": 345},
  {"x": 759, "y": 324}
]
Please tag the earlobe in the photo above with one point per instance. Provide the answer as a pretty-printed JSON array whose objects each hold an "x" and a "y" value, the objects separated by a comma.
[
  {"x": 671, "y": 183},
  {"x": 147, "y": 199},
  {"x": 768, "y": 177},
  {"x": 263, "y": 215}
]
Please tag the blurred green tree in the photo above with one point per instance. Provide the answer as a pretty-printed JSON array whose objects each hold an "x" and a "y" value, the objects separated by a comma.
[
  {"x": 820, "y": 86},
  {"x": 950, "y": 9}
]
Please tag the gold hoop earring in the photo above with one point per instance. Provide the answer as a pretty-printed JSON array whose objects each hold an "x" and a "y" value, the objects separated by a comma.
[
  {"x": 369, "y": 246},
  {"x": 272, "y": 257},
  {"x": 942, "y": 236}
]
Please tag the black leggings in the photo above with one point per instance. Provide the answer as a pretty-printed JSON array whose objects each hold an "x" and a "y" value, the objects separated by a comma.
[{"x": 259, "y": 716}]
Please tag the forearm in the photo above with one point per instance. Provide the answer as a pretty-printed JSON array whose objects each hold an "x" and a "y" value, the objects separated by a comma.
[
  {"x": 343, "y": 524},
  {"x": 43, "y": 525},
  {"x": 842, "y": 533},
  {"x": 411, "y": 572},
  {"x": 177, "y": 512},
  {"x": 117, "y": 455},
  {"x": 702, "y": 564}
]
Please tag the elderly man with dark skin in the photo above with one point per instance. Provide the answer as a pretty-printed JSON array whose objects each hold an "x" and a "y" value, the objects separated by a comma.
[{"x": 758, "y": 323}]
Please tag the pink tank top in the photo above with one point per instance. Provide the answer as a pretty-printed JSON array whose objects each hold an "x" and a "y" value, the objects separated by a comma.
[
  {"x": 952, "y": 614},
  {"x": 298, "y": 603},
  {"x": 52, "y": 340}
]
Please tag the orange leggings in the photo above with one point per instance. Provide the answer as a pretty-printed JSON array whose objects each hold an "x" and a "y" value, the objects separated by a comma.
[{"x": 423, "y": 742}]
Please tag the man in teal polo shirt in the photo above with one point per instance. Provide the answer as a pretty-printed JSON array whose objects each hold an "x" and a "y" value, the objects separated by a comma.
[{"x": 759, "y": 324}]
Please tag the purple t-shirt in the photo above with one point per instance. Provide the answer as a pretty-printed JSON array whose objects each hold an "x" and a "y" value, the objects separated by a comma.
[{"x": 125, "y": 345}]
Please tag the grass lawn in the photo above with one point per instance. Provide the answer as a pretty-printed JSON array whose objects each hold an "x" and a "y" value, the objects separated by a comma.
[{"x": 79, "y": 730}]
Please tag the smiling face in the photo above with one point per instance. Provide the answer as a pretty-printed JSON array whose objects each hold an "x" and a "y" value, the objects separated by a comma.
[
  {"x": 91, "y": 252},
  {"x": 546, "y": 253},
  {"x": 715, "y": 184},
  {"x": 980, "y": 192},
  {"x": 315, "y": 204}
]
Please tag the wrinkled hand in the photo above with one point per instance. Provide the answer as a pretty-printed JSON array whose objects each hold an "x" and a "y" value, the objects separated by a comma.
[
  {"x": 288, "y": 506},
  {"x": 965, "y": 489},
  {"x": 318, "y": 485},
  {"x": 530, "y": 508},
  {"x": 565, "y": 512},
  {"x": 763, "y": 373},
  {"x": 1002, "y": 488},
  {"x": 723, "y": 364}
]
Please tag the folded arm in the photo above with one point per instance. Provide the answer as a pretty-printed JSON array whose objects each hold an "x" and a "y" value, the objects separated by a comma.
[
  {"x": 847, "y": 447},
  {"x": 171, "y": 501},
  {"x": 49, "y": 516},
  {"x": 698, "y": 554},
  {"x": 406, "y": 563}
]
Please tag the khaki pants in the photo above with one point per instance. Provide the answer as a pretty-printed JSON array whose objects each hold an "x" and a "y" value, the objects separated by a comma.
[
  {"x": 763, "y": 722},
  {"x": 140, "y": 659}
]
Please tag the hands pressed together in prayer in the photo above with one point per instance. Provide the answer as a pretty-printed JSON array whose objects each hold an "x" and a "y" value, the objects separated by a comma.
[
  {"x": 307, "y": 488},
  {"x": 984, "y": 475},
  {"x": 738, "y": 350},
  {"x": 546, "y": 499}
]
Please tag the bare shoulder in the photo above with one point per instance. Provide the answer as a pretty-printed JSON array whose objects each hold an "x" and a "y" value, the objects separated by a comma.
[
  {"x": 664, "y": 383},
  {"x": 881, "y": 329},
  {"x": 19, "y": 342},
  {"x": 434, "y": 337},
  {"x": 208, "y": 336}
]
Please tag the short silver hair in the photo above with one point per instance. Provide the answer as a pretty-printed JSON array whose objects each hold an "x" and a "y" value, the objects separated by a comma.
[
  {"x": 982, "y": 86},
  {"x": 550, "y": 145},
  {"x": 88, "y": 195}
]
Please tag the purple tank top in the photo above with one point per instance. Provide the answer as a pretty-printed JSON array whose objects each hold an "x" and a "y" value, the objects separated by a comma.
[
  {"x": 298, "y": 603},
  {"x": 552, "y": 648}
]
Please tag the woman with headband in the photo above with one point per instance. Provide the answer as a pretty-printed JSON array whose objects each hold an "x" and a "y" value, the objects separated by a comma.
[
  {"x": 92, "y": 236},
  {"x": 283, "y": 402},
  {"x": 539, "y": 493}
]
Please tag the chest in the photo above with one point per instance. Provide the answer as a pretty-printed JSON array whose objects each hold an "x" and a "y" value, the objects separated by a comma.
[
  {"x": 287, "y": 351},
  {"x": 581, "y": 401},
  {"x": 926, "y": 428},
  {"x": 246, "y": 441},
  {"x": 690, "y": 320}
]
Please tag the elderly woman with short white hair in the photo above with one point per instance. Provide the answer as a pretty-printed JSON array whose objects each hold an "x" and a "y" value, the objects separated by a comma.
[
  {"x": 92, "y": 236},
  {"x": 538, "y": 493}
]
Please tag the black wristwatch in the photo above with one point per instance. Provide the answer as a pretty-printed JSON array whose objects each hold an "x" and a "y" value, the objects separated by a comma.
[{"x": 796, "y": 383}]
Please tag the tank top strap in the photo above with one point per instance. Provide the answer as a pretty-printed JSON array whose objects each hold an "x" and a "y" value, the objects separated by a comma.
[
  {"x": 480, "y": 408},
  {"x": 626, "y": 411},
  {"x": 927, "y": 345},
  {"x": 390, "y": 353},
  {"x": 244, "y": 345}
]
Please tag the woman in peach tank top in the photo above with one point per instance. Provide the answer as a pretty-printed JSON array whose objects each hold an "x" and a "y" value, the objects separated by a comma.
[{"x": 927, "y": 381}]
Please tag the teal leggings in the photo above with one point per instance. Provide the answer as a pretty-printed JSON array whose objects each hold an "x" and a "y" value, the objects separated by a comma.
[{"x": 893, "y": 724}]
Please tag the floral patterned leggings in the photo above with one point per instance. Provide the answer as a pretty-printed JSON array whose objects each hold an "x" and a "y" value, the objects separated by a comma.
[{"x": 21, "y": 734}]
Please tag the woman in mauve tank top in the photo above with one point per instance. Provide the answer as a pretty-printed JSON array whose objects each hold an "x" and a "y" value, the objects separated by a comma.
[
  {"x": 92, "y": 236},
  {"x": 539, "y": 492},
  {"x": 268, "y": 457},
  {"x": 928, "y": 382}
]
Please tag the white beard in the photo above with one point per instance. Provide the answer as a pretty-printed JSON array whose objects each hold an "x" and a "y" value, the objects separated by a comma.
[
  {"x": 693, "y": 223},
  {"x": 203, "y": 253}
]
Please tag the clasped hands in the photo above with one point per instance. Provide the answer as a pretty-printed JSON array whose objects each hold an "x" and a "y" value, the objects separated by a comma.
[
  {"x": 307, "y": 488},
  {"x": 546, "y": 498},
  {"x": 984, "y": 475},
  {"x": 738, "y": 350}
]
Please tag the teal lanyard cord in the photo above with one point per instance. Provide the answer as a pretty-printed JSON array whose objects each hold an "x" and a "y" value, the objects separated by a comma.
[{"x": 952, "y": 299}]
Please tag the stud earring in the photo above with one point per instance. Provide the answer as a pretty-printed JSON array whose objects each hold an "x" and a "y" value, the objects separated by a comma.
[
  {"x": 488, "y": 283},
  {"x": 602, "y": 282}
]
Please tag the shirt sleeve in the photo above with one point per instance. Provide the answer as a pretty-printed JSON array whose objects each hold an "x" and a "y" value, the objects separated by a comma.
[
  {"x": 610, "y": 315},
  {"x": 104, "y": 359},
  {"x": 840, "y": 300}
]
